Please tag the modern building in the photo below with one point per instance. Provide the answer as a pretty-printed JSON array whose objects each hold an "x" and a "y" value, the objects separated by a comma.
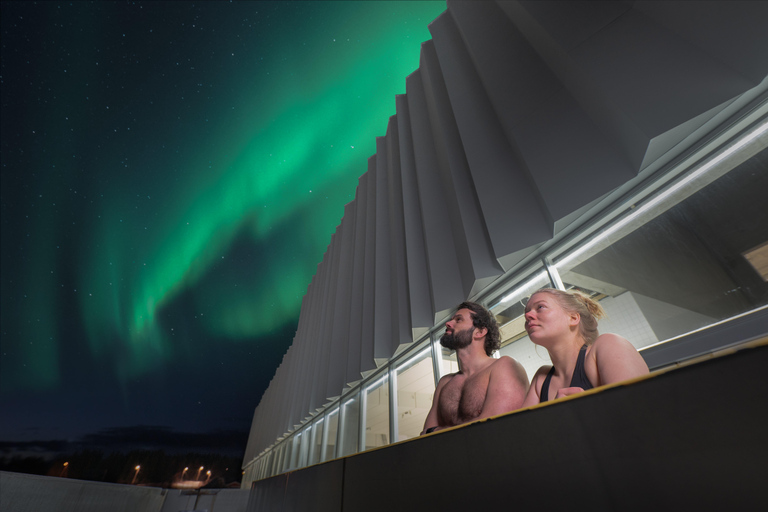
[{"x": 616, "y": 147}]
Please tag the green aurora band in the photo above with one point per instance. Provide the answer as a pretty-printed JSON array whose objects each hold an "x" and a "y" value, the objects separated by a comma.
[{"x": 265, "y": 164}]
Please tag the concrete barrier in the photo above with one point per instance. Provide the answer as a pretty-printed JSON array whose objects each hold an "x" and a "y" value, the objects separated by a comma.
[
  {"x": 32, "y": 493},
  {"x": 209, "y": 500}
]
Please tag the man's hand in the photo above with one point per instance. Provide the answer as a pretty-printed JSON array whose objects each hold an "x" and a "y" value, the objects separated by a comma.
[{"x": 568, "y": 391}]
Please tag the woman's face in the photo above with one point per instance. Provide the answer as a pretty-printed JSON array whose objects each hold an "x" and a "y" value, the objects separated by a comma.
[{"x": 545, "y": 319}]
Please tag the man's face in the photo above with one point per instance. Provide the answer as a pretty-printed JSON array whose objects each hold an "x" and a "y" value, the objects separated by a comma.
[{"x": 458, "y": 331}]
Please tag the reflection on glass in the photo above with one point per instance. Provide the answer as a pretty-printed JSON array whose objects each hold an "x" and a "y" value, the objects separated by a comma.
[
  {"x": 687, "y": 268},
  {"x": 351, "y": 426},
  {"x": 377, "y": 414},
  {"x": 415, "y": 388},
  {"x": 329, "y": 451}
]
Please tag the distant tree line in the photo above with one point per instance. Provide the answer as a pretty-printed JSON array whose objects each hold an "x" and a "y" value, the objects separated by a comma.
[{"x": 157, "y": 468}]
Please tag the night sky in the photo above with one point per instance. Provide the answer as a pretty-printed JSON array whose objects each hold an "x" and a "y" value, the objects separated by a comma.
[{"x": 172, "y": 173}]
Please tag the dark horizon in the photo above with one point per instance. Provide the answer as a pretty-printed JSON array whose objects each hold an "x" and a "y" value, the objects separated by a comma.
[{"x": 126, "y": 439}]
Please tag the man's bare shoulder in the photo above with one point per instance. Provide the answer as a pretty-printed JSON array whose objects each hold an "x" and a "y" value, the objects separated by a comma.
[
  {"x": 508, "y": 364},
  {"x": 507, "y": 360}
]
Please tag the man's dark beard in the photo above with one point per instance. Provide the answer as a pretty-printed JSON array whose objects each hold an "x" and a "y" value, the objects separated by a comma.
[{"x": 457, "y": 340}]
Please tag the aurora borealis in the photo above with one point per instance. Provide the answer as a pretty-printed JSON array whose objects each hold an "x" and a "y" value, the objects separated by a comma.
[{"x": 172, "y": 173}]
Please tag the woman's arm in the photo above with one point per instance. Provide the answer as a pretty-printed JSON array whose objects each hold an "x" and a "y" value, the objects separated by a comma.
[{"x": 532, "y": 397}]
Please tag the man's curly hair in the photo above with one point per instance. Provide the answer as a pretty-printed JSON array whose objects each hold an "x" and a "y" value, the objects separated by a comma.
[{"x": 484, "y": 319}]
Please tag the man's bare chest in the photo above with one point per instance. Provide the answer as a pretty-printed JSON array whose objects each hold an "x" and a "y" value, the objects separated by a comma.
[{"x": 462, "y": 399}]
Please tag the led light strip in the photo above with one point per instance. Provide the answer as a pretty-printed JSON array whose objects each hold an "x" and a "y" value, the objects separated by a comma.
[{"x": 519, "y": 291}]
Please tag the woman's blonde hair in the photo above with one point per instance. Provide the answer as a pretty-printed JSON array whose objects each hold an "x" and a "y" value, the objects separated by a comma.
[{"x": 576, "y": 302}]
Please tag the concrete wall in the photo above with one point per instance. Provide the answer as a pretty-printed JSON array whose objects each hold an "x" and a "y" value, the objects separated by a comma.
[
  {"x": 33, "y": 493},
  {"x": 215, "y": 500}
]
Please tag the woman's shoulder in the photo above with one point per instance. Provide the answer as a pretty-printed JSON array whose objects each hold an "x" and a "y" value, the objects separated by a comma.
[
  {"x": 541, "y": 374},
  {"x": 615, "y": 359},
  {"x": 610, "y": 342},
  {"x": 610, "y": 337},
  {"x": 534, "y": 391}
]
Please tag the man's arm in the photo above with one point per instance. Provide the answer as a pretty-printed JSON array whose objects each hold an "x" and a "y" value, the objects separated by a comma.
[
  {"x": 617, "y": 359},
  {"x": 507, "y": 386},
  {"x": 433, "y": 418}
]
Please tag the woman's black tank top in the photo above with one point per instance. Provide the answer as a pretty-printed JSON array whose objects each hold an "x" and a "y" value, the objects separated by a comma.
[{"x": 579, "y": 379}]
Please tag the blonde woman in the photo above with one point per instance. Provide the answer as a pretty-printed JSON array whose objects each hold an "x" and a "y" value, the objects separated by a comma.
[{"x": 565, "y": 323}]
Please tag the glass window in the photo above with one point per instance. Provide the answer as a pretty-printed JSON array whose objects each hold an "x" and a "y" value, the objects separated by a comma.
[
  {"x": 295, "y": 444},
  {"x": 259, "y": 470},
  {"x": 377, "y": 413},
  {"x": 350, "y": 426},
  {"x": 450, "y": 364},
  {"x": 274, "y": 461},
  {"x": 284, "y": 459},
  {"x": 317, "y": 441},
  {"x": 676, "y": 269},
  {"x": 331, "y": 433},
  {"x": 415, "y": 389},
  {"x": 305, "y": 443},
  {"x": 448, "y": 361}
]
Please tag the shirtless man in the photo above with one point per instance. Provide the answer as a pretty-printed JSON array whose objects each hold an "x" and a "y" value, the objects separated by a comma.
[{"x": 484, "y": 386}]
